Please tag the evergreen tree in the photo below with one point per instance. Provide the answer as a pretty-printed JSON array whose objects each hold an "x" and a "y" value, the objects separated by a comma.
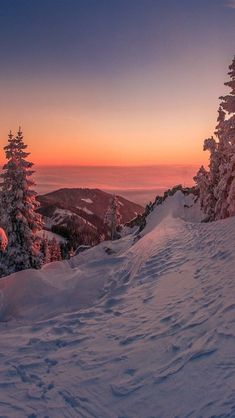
[
  {"x": 55, "y": 252},
  {"x": 18, "y": 206},
  {"x": 45, "y": 249},
  {"x": 113, "y": 217},
  {"x": 202, "y": 181},
  {"x": 226, "y": 196},
  {"x": 218, "y": 199},
  {"x": 212, "y": 177}
]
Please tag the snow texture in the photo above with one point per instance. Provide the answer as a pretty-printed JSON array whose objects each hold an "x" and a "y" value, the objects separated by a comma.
[
  {"x": 141, "y": 327},
  {"x": 61, "y": 213},
  {"x": 50, "y": 235},
  {"x": 88, "y": 211},
  {"x": 87, "y": 200}
]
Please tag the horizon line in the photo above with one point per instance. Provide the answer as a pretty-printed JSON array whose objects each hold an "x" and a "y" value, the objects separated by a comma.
[{"x": 118, "y": 165}]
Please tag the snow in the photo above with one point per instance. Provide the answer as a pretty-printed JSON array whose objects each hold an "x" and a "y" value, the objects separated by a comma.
[
  {"x": 87, "y": 200},
  {"x": 89, "y": 212},
  {"x": 130, "y": 328},
  {"x": 59, "y": 215},
  {"x": 50, "y": 235},
  {"x": 63, "y": 212},
  {"x": 48, "y": 223}
]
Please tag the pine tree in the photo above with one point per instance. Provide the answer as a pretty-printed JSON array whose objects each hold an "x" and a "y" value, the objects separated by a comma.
[
  {"x": 226, "y": 195},
  {"x": 18, "y": 206},
  {"x": 55, "y": 252},
  {"x": 45, "y": 249},
  {"x": 218, "y": 200},
  {"x": 203, "y": 182},
  {"x": 113, "y": 217},
  {"x": 213, "y": 177}
]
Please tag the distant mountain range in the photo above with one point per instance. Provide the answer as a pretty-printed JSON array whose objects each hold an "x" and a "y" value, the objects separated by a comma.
[{"x": 78, "y": 214}]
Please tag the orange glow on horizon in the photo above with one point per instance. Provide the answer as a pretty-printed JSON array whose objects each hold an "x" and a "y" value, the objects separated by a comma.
[
  {"x": 128, "y": 86},
  {"x": 81, "y": 156},
  {"x": 130, "y": 144},
  {"x": 125, "y": 126}
]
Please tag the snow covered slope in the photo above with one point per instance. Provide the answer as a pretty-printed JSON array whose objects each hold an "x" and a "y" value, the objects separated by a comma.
[
  {"x": 83, "y": 211},
  {"x": 135, "y": 328}
]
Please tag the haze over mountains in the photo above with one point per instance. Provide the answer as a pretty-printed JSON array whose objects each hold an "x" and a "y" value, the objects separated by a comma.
[{"x": 138, "y": 184}]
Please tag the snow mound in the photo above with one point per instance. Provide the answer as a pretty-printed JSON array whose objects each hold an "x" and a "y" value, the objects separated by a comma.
[
  {"x": 181, "y": 206},
  {"x": 134, "y": 328}
]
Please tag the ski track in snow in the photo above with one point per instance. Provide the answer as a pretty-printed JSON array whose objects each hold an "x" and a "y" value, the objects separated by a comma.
[{"x": 157, "y": 341}]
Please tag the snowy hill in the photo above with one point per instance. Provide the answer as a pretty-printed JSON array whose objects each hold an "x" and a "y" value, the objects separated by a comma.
[
  {"x": 82, "y": 212},
  {"x": 125, "y": 329}
]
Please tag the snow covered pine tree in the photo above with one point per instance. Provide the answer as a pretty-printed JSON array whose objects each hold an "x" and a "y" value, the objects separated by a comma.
[
  {"x": 217, "y": 186},
  {"x": 113, "y": 217},
  {"x": 50, "y": 250},
  {"x": 45, "y": 249},
  {"x": 18, "y": 210},
  {"x": 55, "y": 252}
]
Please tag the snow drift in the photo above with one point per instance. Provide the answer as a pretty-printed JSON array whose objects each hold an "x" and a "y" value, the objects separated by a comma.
[{"x": 142, "y": 327}]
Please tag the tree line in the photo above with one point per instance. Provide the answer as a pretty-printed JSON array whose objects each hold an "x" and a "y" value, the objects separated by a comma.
[
  {"x": 216, "y": 184},
  {"x": 21, "y": 244}
]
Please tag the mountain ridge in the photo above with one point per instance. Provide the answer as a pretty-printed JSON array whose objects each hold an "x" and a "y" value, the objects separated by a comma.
[{"x": 78, "y": 213}]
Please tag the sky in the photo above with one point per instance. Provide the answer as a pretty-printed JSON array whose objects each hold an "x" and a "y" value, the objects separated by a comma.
[{"x": 114, "y": 82}]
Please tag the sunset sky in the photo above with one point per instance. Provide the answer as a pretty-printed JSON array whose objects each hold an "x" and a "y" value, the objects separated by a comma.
[{"x": 114, "y": 82}]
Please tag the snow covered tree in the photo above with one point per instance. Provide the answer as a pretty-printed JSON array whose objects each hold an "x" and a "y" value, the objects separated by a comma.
[
  {"x": 202, "y": 181},
  {"x": 226, "y": 196},
  {"x": 18, "y": 209},
  {"x": 218, "y": 197},
  {"x": 45, "y": 250},
  {"x": 228, "y": 101},
  {"x": 208, "y": 196},
  {"x": 55, "y": 252},
  {"x": 51, "y": 250},
  {"x": 113, "y": 217}
]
